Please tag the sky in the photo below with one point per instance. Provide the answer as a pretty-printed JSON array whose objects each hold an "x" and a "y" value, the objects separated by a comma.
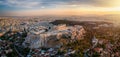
[{"x": 58, "y": 7}]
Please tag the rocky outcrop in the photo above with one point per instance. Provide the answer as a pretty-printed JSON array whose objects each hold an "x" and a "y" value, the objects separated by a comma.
[{"x": 54, "y": 37}]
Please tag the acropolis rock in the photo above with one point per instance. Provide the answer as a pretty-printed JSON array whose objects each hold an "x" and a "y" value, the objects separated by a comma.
[{"x": 53, "y": 37}]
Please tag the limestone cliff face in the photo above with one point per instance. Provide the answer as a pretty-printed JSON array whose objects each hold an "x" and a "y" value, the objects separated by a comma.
[{"x": 55, "y": 37}]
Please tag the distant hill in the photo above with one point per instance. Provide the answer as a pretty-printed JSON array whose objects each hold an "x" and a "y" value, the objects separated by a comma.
[{"x": 71, "y": 23}]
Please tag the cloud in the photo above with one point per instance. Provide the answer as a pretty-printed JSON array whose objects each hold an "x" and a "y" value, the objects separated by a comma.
[
  {"x": 79, "y": 2},
  {"x": 53, "y": 3},
  {"x": 20, "y": 3}
]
